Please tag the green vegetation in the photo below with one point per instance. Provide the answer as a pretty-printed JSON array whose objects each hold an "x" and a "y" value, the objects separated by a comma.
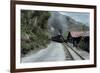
[
  {"x": 34, "y": 30},
  {"x": 85, "y": 28},
  {"x": 83, "y": 44},
  {"x": 65, "y": 34}
]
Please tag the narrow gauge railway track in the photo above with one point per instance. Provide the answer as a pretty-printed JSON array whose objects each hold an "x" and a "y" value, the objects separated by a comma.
[
  {"x": 67, "y": 53},
  {"x": 71, "y": 54}
]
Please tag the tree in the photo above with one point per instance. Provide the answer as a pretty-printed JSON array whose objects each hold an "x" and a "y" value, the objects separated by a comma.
[{"x": 34, "y": 31}]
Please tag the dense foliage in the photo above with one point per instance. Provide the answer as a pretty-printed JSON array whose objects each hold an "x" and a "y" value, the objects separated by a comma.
[
  {"x": 84, "y": 43},
  {"x": 34, "y": 30}
]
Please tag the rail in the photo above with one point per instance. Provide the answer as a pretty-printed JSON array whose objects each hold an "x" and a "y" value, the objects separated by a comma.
[{"x": 73, "y": 54}]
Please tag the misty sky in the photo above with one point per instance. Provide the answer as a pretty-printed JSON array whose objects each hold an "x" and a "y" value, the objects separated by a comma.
[{"x": 83, "y": 17}]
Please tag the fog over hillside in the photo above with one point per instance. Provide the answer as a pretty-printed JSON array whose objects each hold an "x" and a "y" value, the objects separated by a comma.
[
  {"x": 82, "y": 17},
  {"x": 60, "y": 23}
]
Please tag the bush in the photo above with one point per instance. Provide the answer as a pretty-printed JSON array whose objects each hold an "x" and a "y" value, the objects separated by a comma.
[
  {"x": 82, "y": 44},
  {"x": 34, "y": 30}
]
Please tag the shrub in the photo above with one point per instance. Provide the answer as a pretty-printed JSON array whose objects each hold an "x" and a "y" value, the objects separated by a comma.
[{"x": 34, "y": 30}]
